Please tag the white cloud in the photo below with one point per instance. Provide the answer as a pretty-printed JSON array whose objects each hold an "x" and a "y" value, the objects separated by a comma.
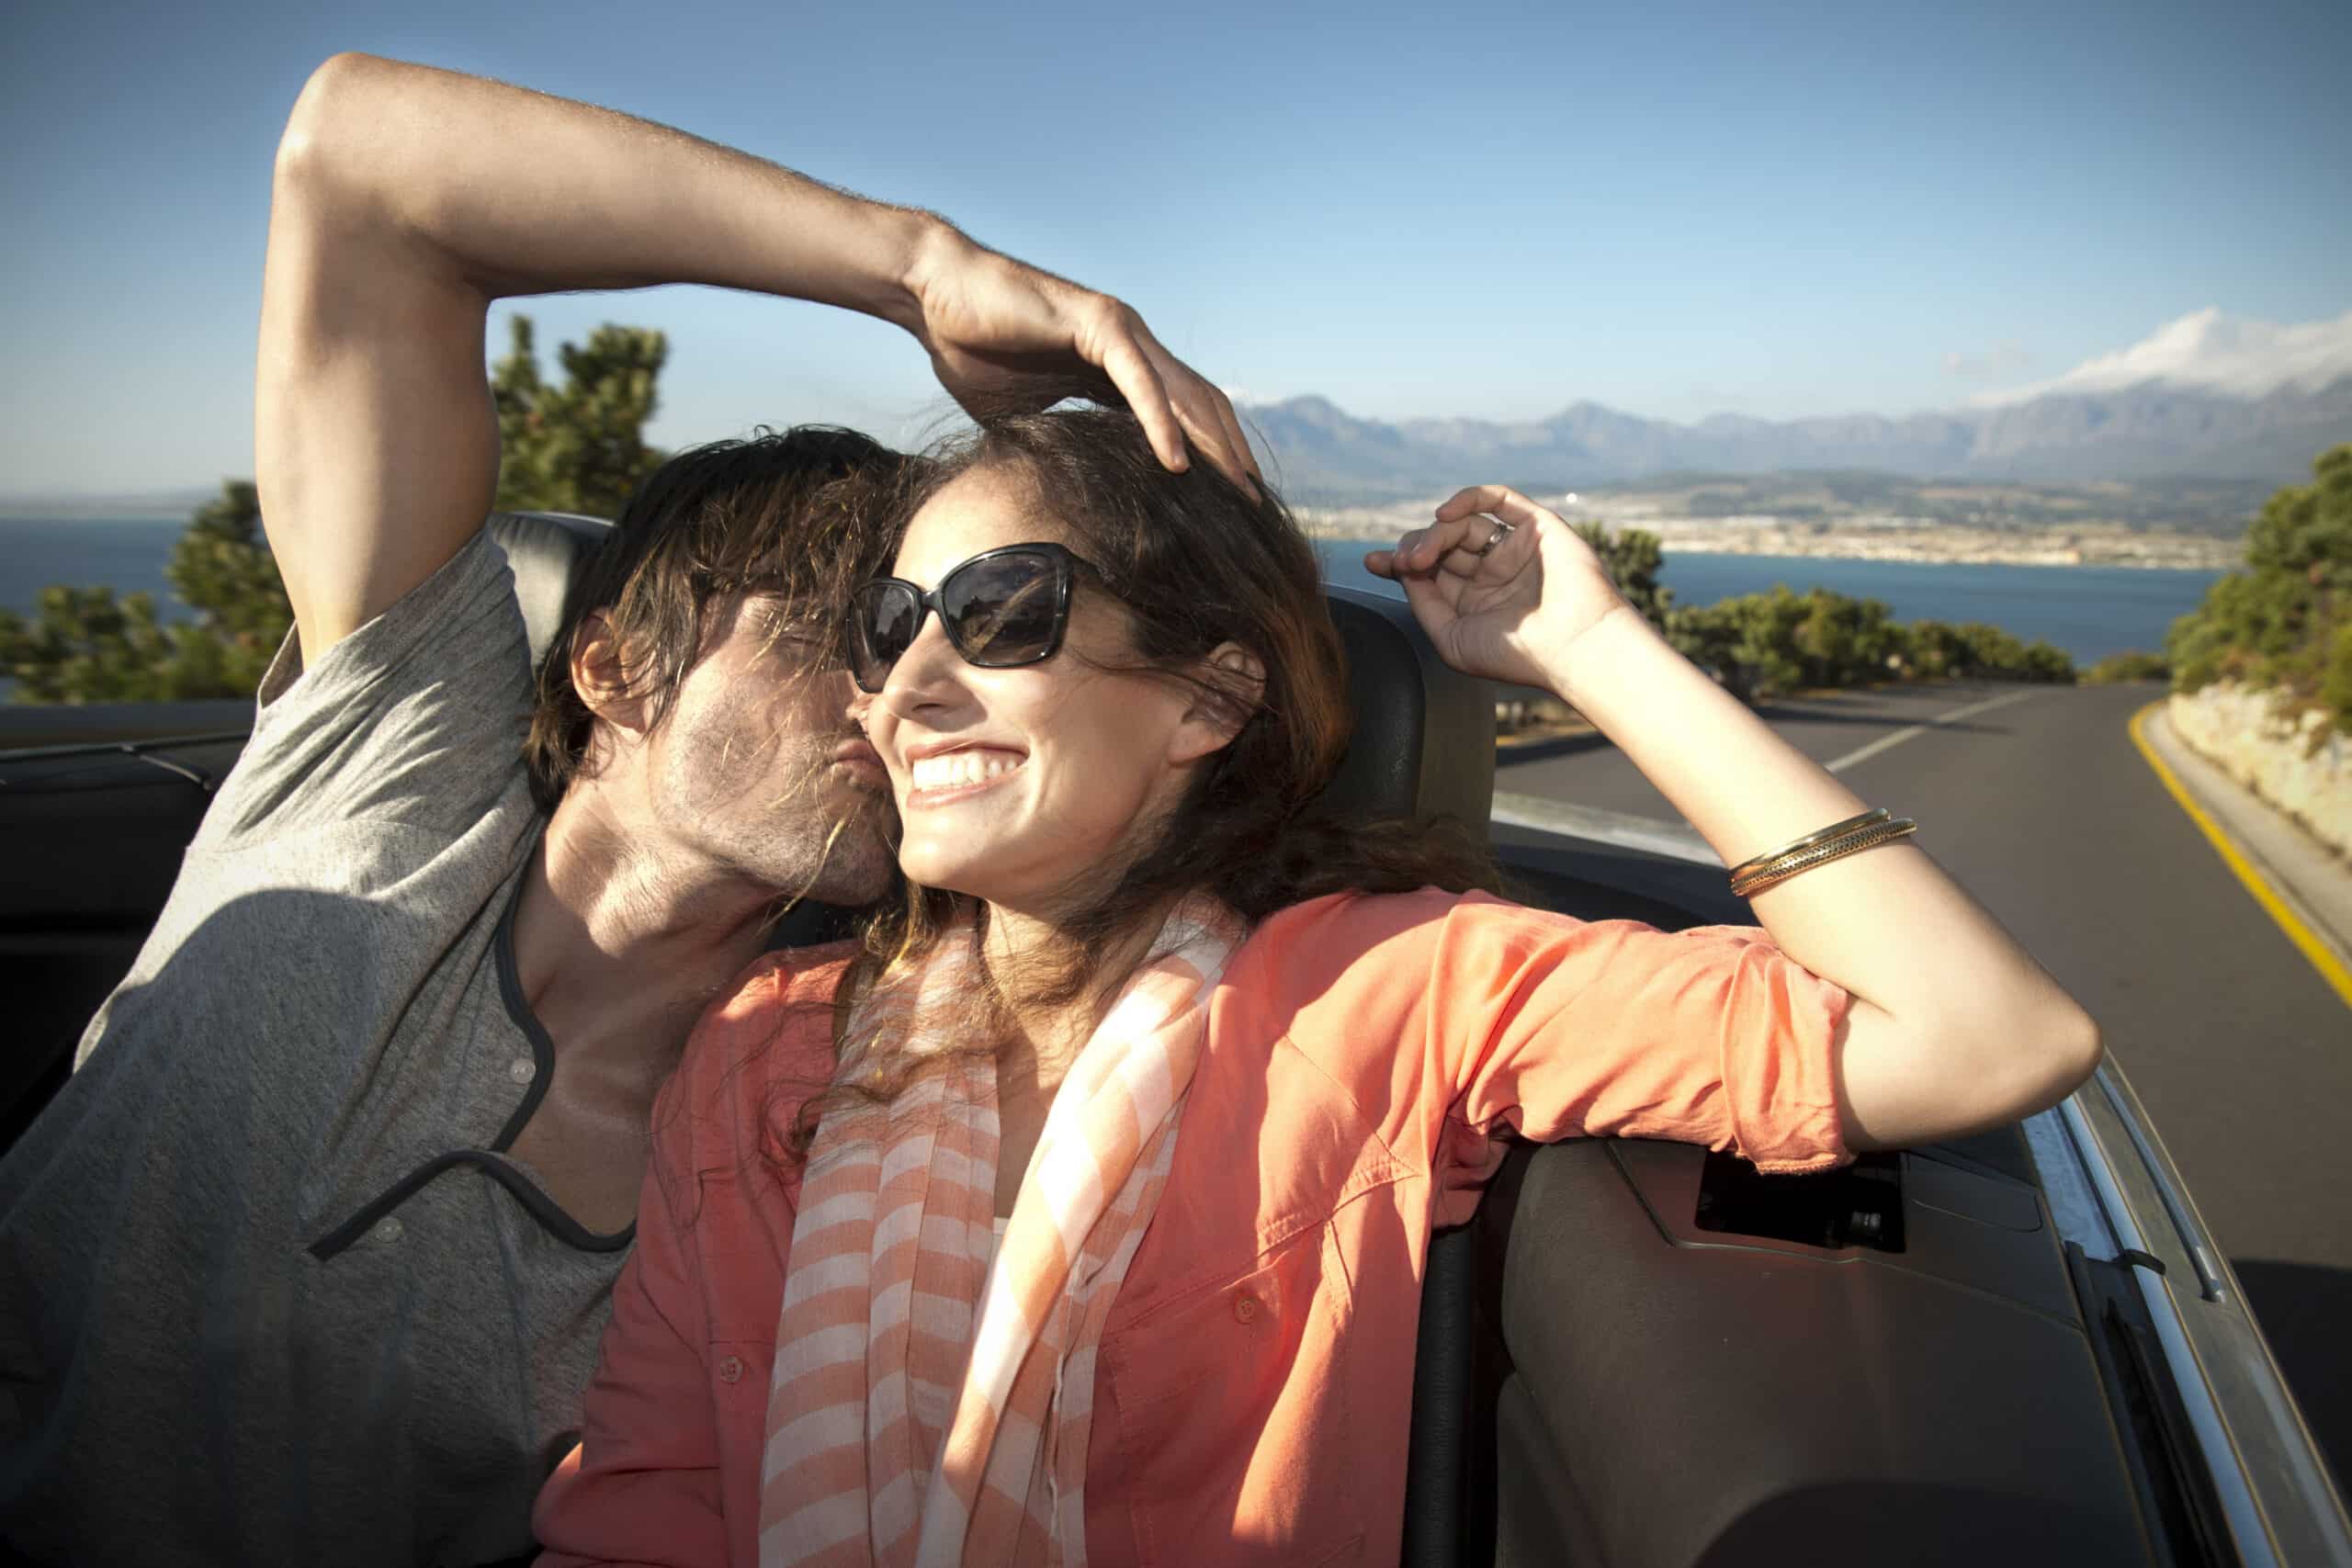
[
  {"x": 1998, "y": 360},
  {"x": 2218, "y": 353}
]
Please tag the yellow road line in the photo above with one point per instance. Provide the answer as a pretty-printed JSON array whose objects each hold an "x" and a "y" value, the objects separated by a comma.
[{"x": 2330, "y": 967}]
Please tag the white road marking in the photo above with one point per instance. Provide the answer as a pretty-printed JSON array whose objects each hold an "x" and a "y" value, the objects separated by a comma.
[
  {"x": 1888, "y": 742},
  {"x": 1680, "y": 840}
]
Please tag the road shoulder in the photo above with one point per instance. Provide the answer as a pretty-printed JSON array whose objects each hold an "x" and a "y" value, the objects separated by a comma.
[{"x": 2313, "y": 886}]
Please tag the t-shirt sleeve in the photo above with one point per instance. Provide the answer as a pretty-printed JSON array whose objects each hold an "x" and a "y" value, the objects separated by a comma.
[
  {"x": 1505, "y": 1018},
  {"x": 415, "y": 719}
]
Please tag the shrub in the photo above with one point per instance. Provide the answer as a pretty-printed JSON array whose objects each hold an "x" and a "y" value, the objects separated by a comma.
[
  {"x": 1763, "y": 645},
  {"x": 2133, "y": 665},
  {"x": 2280, "y": 622}
]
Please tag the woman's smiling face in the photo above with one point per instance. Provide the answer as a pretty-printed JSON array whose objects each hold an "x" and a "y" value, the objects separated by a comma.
[{"x": 1030, "y": 787}]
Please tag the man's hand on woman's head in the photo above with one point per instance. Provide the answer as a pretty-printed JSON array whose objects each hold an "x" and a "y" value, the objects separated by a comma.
[
  {"x": 1004, "y": 336},
  {"x": 1511, "y": 611}
]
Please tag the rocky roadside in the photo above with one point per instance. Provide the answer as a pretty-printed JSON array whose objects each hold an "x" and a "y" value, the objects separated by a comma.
[{"x": 2298, "y": 765}]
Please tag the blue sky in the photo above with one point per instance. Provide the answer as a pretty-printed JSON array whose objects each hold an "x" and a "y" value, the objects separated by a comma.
[{"x": 1489, "y": 210}]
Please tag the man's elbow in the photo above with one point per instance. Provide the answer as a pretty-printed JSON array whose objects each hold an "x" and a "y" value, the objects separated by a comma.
[{"x": 327, "y": 107}]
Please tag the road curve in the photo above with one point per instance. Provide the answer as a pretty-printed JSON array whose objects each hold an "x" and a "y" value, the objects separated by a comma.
[{"x": 2045, "y": 811}]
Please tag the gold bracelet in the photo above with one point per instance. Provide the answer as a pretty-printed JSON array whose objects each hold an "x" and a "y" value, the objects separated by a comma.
[
  {"x": 1810, "y": 839},
  {"x": 1851, "y": 837}
]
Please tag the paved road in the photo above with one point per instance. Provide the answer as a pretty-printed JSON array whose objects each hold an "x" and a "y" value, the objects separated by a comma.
[{"x": 2043, "y": 808}]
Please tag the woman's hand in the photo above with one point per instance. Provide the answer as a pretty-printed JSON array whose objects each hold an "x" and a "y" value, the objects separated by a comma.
[
  {"x": 1515, "y": 613},
  {"x": 1004, "y": 336}
]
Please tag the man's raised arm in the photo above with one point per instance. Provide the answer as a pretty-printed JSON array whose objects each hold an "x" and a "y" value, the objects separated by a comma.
[{"x": 406, "y": 199}]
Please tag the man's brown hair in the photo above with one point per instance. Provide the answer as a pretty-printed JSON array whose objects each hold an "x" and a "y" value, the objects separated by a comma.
[{"x": 782, "y": 514}]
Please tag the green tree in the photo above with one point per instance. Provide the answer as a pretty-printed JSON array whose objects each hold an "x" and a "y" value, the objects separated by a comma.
[
  {"x": 1763, "y": 645},
  {"x": 580, "y": 446},
  {"x": 1936, "y": 649},
  {"x": 2336, "y": 679},
  {"x": 1634, "y": 557},
  {"x": 2281, "y": 622},
  {"x": 2131, "y": 665},
  {"x": 1845, "y": 641},
  {"x": 1749, "y": 641},
  {"x": 222, "y": 566},
  {"x": 577, "y": 447},
  {"x": 85, "y": 646}
]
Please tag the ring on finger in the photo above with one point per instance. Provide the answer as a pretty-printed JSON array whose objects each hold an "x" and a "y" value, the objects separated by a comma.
[{"x": 1502, "y": 532}]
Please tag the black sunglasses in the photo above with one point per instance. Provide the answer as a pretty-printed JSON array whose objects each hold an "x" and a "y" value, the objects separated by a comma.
[{"x": 1001, "y": 609}]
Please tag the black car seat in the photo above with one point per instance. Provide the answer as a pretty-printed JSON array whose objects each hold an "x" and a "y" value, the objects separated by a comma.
[
  {"x": 548, "y": 552},
  {"x": 1423, "y": 746}
]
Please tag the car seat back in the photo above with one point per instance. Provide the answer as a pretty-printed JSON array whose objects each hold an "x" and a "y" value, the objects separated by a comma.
[{"x": 549, "y": 553}]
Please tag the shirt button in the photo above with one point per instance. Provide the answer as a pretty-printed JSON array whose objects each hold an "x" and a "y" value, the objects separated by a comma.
[
  {"x": 388, "y": 1229},
  {"x": 1244, "y": 1309},
  {"x": 522, "y": 1069},
  {"x": 731, "y": 1369}
]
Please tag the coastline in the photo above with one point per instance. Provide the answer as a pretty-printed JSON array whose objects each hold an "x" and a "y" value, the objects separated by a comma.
[
  {"x": 2145, "y": 553},
  {"x": 1918, "y": 541}
]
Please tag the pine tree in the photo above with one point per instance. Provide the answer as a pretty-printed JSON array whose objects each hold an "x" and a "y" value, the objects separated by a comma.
[{"x": 577, "y": 447}]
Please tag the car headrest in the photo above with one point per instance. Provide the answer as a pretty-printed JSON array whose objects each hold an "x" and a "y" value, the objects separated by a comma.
[
  {"x": 548, "y": 551},
  {"x": 1424, "y": 739}
]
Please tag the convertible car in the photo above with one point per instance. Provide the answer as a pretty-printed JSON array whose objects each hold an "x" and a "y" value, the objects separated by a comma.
[{"x": 2020, "y": 1347}]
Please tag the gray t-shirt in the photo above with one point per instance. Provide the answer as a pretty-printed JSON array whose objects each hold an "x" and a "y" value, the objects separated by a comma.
[{"x": 269, "y": 1292}]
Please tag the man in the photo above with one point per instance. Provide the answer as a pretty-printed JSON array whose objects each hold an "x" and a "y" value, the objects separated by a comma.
[{"x": 308, "y": 1260}]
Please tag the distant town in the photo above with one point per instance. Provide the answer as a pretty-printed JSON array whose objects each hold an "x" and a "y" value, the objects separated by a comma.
[{"x": 1833, "y": 517}]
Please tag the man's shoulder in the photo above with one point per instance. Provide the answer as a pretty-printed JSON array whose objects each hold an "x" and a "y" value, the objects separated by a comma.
[{"x": 418, "y": 717}]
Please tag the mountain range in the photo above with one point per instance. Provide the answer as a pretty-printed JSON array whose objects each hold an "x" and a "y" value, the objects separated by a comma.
[{"x": 2208, "y": 396}]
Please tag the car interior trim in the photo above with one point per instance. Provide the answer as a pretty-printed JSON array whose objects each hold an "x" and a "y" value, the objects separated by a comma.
[
  {"x": 2232, "y": 1364},
  {"x": 2066, "y": 1185},
  {"x": 2176, "y": 1207},
  {"x": 142, "y": 751},
  {"x": 2243, "y": 1511},
  {"x": 1674, "y": 841}
]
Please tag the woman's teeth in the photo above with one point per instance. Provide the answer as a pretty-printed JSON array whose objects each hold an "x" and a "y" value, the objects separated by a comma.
[{"x": 956, "y": 768}]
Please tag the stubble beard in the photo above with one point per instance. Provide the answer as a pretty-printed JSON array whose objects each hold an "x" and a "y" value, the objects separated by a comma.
[
  {"x": 826, "y": 842},
  {"x": 860, "y": 850}
]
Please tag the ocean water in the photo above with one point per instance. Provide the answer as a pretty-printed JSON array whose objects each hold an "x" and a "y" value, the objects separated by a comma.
[
  {"x": 2090, "y": 611},
  {"x": 126, "y": 555}
]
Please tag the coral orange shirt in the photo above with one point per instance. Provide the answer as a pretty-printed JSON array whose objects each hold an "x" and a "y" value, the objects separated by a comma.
[{"x": 1365, "y": 1057}]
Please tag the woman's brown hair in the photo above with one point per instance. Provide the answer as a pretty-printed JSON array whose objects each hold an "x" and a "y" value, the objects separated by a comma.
[{"x": 1196, "y": 562}]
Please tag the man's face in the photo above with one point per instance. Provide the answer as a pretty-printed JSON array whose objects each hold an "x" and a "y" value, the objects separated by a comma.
[{"x": 757, "y": 765}]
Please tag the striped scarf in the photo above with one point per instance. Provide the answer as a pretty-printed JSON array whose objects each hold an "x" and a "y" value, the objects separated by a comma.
[{"x": 897, "y": 1433}]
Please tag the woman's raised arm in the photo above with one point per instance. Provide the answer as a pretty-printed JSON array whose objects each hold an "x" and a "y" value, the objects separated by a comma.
[{"x": 1954, "y": 1026}]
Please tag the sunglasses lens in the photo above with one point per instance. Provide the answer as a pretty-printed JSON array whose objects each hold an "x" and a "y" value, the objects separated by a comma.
[
  {"x": 883, "y": 621},
  {"x": 1005, "y": 610}
]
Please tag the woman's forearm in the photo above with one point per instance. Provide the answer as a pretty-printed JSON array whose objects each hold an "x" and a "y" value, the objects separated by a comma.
[
  {"x": 527, "y": 193},
  {"x": 1950, "y": 1012}
]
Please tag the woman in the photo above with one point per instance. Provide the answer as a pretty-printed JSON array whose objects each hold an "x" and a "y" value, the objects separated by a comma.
[{"x": 1091, "y": 1228}]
